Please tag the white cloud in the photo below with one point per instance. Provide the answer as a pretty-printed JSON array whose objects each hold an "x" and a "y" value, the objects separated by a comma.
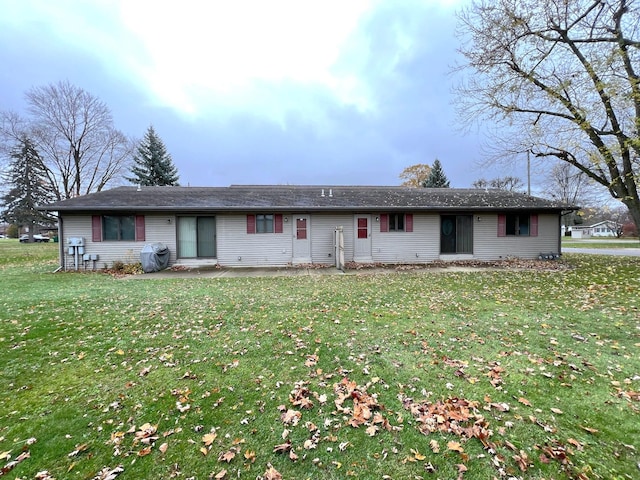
[
  {"x": 219, "y": 54},
  {"x": 224, "y": 49}
]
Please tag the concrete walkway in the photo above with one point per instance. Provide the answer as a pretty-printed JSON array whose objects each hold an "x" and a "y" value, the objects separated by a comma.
[{"x": 210, "y": 272}]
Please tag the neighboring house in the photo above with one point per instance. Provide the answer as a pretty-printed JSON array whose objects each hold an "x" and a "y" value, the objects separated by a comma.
[
  {"x": 282, "y": 225},
  {"x": 606, "y": 228}
]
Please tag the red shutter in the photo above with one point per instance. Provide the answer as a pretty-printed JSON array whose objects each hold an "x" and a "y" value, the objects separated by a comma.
[
  {"x": 96, "y": 228},
  {"x": 502, "y": 225},
  {"x": 534, "y": 225},
  {"x": 408, "y": 222},
  {"x": 277, "y": 223},
  {"x": 140, "y": 228},
  {"x": 251, "y": 224},
  {"x": 384, "y": 222}
]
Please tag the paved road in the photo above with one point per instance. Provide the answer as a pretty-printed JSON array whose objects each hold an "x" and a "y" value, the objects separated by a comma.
[{"x": 629, "y": 252}]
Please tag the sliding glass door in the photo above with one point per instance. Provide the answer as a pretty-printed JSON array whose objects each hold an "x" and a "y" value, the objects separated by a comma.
[
  {"x": 456, "y": 234},
  {"x": 196, "y": 237}
]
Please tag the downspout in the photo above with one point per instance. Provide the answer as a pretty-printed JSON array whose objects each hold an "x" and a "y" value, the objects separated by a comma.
[
  {"x": 560, "y": 234},
  {"x": 60, "y": 245}
]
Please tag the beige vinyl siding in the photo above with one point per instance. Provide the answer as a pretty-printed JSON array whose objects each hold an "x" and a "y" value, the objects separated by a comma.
[
  {"x": 323, "y": 229},
  {"x": 158, "y": 228},
  {"x": 237, "y": 248},
  {"x": 420, "y": 246},
  {"x": 488, "y": 246}
]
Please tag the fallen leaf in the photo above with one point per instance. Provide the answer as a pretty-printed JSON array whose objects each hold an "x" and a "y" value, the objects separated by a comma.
[
  {"x": 557, "y": 411},
  {"x": 372, "y": 430},
  {"x": 291, "y": 417},
  {"x": 343, "y": 446},
  {"x": 163, "y": 448},
  {"x": 524, "y": 401},
  {"x": 418, "y": 456},
  {"x": 209, "y": 438},
  {"x": 589, "y": 429},
  {"x": 283, "y": 447},
  {"x": 455, "y": 446},
  {"x": 435, "y": 446},
  {"x": 220, "y": 475},
  {"x": 227, "y": 456},
  {"x": 144, "y": 452},
  {"x": 271, "y": 473},
  {"x": 575, "y": 443}
]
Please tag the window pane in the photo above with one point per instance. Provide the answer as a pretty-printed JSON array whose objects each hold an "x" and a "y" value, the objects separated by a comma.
[
  {"x": 187, "y": 237},
  {"x": 206, "y": 237},
  {"x": 512, "y": 222},
  {"x": 363, "y": 229},
  {"x": 396, "y": 222},
  {"x": 264, "y": 223},
  {"x": 127, "y": 228},
  {"x": 464, "y": 234},
  {"x": 118, "y": 227},
  {"x": 301, "y": 228},
  {"x": 523, "y": 225},
  {"x": 110, "y": 227}
]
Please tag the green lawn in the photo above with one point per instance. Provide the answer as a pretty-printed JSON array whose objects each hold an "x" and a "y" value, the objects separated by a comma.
[
  {"x": 419, "y": 374},
  {"x": 595, "y": 243}
]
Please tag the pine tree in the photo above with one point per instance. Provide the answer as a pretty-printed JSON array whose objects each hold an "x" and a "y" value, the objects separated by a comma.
[
  {"x": 153, "y": 165},
  {"x": 436, "y": 178},
  {"x": 29, "y": 187}
]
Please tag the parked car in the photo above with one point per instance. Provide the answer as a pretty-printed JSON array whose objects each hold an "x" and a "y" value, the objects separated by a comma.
[{"x": 36, "y": 238}]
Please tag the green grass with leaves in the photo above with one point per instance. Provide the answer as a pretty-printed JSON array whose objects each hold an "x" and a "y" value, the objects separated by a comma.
[
  {"x": 418, "y": 374},
  {"x": 596, "y": 243}
]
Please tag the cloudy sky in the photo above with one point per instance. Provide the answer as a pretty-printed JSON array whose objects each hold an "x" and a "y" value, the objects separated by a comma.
[{"x": 259, "y": 92}]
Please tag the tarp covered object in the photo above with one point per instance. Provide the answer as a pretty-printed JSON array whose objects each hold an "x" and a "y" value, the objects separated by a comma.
[{"x": 154, "y": 257}]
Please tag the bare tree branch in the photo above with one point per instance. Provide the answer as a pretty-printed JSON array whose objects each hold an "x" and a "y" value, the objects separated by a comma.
[{"x": 560, "y": 77}]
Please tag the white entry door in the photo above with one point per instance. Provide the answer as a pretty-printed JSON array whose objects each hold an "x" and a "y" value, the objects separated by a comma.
[
  {"x": 362, "y": 238},
  {"x": 301, "y": 239}
]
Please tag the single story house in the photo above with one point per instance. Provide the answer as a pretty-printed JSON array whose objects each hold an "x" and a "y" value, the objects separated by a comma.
[
  {"x": 280, "y": 225},
  {"x": 605, "y": 228}
]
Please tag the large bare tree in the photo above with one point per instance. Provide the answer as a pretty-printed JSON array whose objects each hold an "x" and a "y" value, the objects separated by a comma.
[
  {"x": 74, "y": 134},
  {"x": 560, "y": 78}
]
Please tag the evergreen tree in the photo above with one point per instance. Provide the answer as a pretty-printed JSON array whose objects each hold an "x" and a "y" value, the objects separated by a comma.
[
  {"x": 153, "y": 165},
  {"x": 27, "y": 178},
  {"x": 436, "y": 178}
]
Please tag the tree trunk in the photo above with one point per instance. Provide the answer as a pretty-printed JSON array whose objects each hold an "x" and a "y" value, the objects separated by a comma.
[{"x": 634, "y": 211}]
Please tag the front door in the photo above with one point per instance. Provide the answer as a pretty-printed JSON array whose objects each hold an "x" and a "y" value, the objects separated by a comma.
[
  {"x": 301, "y": 239},
  {"x": 362, "y": 238}
]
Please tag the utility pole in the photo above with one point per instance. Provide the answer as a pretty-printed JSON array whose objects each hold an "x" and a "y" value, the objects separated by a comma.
[{"x": 528, "y": 172}]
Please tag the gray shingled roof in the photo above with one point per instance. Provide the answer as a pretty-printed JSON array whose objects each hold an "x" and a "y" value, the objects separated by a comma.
[{"x": 301, "y": 198}]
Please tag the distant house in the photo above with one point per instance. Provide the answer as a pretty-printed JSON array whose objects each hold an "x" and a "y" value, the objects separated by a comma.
[
  {"x": 606, "y": 228},
  {"x": 249, "y": 226}
]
